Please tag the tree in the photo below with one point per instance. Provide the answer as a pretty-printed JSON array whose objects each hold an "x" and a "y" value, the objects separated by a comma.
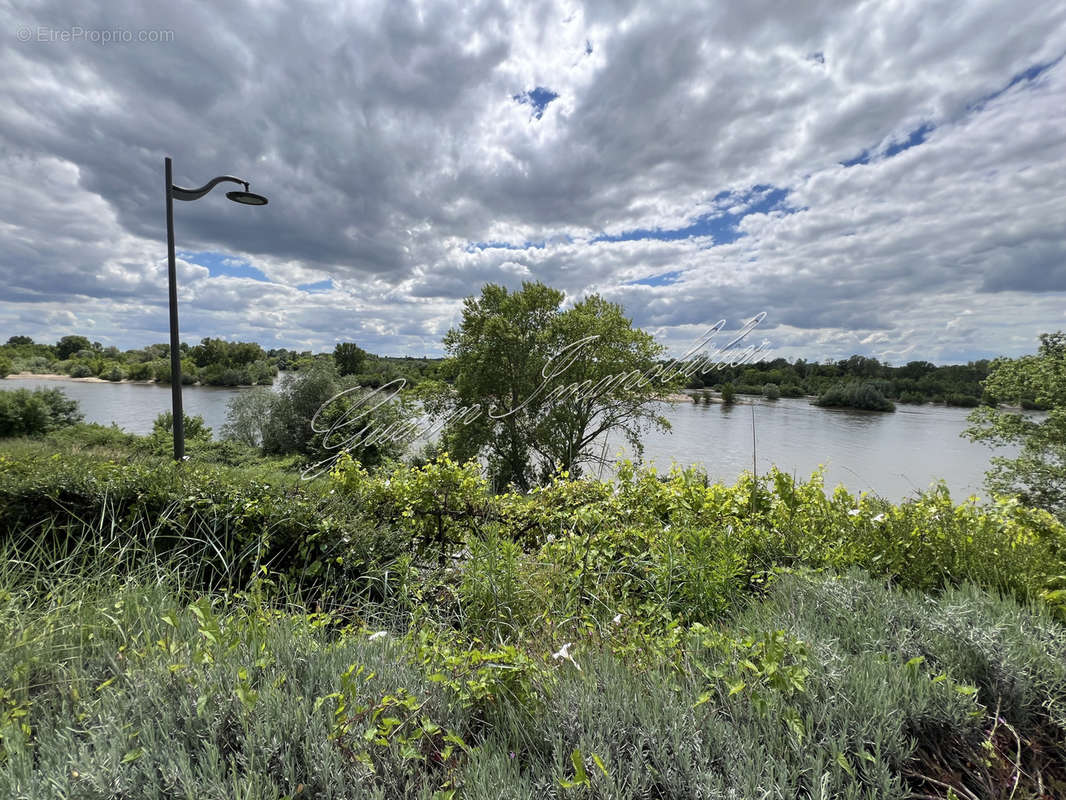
[
  {"x": 17, "y": 340},
  {"x": 5, "y": 366},
  {"x": 212, "y": 352},
  {"x": 1038, "y": 474},
  {"x": 536, "y": 387},
  {"x": 349, "y": 358},
  {"x": 69, "y": 345}
]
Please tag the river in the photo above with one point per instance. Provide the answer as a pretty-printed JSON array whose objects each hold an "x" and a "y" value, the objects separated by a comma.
[{"x": 893, "y": 455}]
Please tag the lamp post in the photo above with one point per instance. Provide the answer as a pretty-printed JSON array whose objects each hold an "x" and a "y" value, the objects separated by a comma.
[{"x": 177, "y": 193}]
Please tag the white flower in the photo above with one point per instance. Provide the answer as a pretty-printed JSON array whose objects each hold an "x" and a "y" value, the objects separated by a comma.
[
  {"x": 854, "y": 512},
  {"x": 617, "y": 618},
  {"x": 550, "y": 538},
  {"x": 378, "y": 635},
  {"x": 879, "y": 518},
  {"x": 564, "y": 654}
]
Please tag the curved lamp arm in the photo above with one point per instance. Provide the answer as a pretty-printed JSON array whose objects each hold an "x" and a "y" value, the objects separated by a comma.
[{"x": 195, "y": 194}]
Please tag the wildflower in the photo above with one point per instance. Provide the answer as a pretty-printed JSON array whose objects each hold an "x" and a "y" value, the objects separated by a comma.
[
  {"x": 379, "y": 635},
  {"x": 617, "y": 620},
  {"x": 879, "y": 518},
  {"x": 550, "y": 538},
  {"x": 854, "y": 512},
  {"x": 564, "y": 654}
]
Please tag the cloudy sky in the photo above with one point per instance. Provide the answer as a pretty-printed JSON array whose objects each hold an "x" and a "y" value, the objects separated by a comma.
[{"x": 885, "y": 178}]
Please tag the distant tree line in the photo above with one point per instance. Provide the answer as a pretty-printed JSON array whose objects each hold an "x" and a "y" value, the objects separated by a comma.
[
  {"x": 217, "y": 362},
  {"x": 858, "y": 378},
  {"x": 212, "y": 362}
]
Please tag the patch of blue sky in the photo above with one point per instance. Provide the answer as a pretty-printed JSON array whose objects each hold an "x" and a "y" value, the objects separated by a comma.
[
  {"x": 222, "y": 264},
  {"x": 921, "y": 133},
  {"x": 317, "y": 286},
  {"x": 472, "y": 246},
  {"x": 722, "y": 226},
  {"x": 538, "y": 98},
  {"x": 663, "y": 279}
]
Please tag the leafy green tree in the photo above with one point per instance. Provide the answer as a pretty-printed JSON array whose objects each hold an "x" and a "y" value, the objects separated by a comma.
[
  {"x": 17, "y": 340},
  {"x": 349, "y": 358},
  {"x": 536, "y": 387},
  {"x": 212, "y": 352},
  {"x": 729, "y": 394},
  {"x": 1038, "y": 474},
  {"x": 5, "y": 366},
  {"x": 69, "y": 345}
]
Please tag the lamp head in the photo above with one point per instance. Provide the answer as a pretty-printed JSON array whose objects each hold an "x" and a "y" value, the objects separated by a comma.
[{"x": 247, "y": 198}]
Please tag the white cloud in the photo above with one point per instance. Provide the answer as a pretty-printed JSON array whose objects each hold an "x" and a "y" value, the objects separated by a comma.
[{"x": 387, "y": 139}]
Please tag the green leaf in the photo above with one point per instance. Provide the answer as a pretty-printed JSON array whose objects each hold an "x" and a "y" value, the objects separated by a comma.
[{"x": 599, "y": 763}]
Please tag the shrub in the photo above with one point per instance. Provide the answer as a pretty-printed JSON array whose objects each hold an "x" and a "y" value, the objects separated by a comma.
[
  {"x": 771, "y": 391},
  {"x": 224, "y": 525},
  {"x": 317, "y": 390},
  {"x": 6, "y": 367},
  {"x": 33, "y": 413},
  {"x": 864, "y": 396},
  {"x": 729, "y": 394},
  {"x": 113, "y": 374},
  {"x": 963, "y": 400},
  {"x": 194, "y": 427},
  {"x": 80, "y": 371},
  {"x": 791, "y": 390},
  {"x": 141, "y": 371}
]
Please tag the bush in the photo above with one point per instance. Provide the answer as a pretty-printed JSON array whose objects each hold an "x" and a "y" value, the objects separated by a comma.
[
  {"x": 113, "y": 374},
  {"x": 33, "y": 413},
  {"x": 864, "y": 396},
  {"x": 318, "y": 390},
  {"x": 6, "y": 367},
  {"x": 791, "y": 390},
  {"x": 223, "y": 524},
  {"x": 141, "y": 371},
  {"x": 194, "y": 427},
  {"x": 729, "y": 394},
  {"x": 38, "y": 365},
  {"x": 962, "y": 400},
  {"x": 80, "y": 371},
  {"x": 771, "y": 391},
  {"x": 912, "y": 398}
]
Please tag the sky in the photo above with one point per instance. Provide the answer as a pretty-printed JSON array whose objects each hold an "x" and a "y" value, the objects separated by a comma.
[{"x": 882, "y": 178}]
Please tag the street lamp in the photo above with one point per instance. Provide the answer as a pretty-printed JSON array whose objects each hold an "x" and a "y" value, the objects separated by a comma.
[{"x": 177, "y": 193}]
